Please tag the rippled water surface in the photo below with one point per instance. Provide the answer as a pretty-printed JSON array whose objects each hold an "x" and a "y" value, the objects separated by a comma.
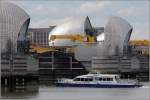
[{"x": 54, "y": 93}]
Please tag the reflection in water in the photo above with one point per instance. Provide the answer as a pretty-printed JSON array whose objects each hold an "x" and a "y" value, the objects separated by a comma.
[
  {"x": 33, "y": 91},
  {"x": 19, "y": 90}
]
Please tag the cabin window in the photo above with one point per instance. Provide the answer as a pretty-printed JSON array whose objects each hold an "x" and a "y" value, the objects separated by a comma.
[
  {"x": 104, "y": 79},
  {"x": 109, "y": 79},
  {"x": 82, "y": 79},
  {"x": 77, "y": 79},
  {"x": 90, "y": 79},
  {"x": 100, "y": 79}
]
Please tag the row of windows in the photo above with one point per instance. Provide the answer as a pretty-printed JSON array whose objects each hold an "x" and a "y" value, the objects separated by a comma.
[
  {"x": 104, "y": 79},
  {"x": 83, "y": 79},
  {"x": 40, "y": 38},
  {"x": 91, "y": 79}
]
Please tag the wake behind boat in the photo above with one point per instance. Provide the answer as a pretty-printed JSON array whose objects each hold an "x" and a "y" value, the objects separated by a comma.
[{"x": 98, "y": 81}]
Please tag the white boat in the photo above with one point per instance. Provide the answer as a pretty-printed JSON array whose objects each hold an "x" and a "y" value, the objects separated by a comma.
[{"x": 98, "y": 81}]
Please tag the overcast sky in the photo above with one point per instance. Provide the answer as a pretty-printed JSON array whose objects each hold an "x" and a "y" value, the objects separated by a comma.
[{"x": 51, "y": 12}]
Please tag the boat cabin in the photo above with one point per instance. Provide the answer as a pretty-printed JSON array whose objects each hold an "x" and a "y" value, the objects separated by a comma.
[{"x": 97, "y": 78}]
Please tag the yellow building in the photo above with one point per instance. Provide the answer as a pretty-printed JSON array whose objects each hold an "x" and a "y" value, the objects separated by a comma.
[{"x": 140, "y": 46}]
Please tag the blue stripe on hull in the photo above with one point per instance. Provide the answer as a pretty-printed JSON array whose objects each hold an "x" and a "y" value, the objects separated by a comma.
[{"x": 96, "y": 85}]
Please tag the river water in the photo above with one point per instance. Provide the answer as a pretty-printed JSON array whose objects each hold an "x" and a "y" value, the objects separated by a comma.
[{"x": 53, "y": 93}]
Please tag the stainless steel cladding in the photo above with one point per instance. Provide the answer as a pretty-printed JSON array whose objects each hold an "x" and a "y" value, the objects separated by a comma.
[
  {"x": 113, "y": 41},
  {"x": 13, "y": 25},
  {"x": 117, "y": 34},
  {"x": 70, "y": 27}
]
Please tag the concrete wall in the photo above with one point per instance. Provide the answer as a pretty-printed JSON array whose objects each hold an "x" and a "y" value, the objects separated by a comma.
[
  {"x": 85, "y": 52},
  {"x": 18, "y": 65},
  {"x": 115, "y": 64}
]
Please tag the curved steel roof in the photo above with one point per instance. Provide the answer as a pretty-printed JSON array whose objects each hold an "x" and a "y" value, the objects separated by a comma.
[
  {"x": 72, "y": 26},
  {"x": 13, "y": 21},
  {"x": 117, "y": 34}
]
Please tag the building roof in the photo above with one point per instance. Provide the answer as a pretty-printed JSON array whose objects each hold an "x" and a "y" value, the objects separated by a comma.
[
  {"x": 41, "y": 30},
  {"x": 73, "y": 26},
  {"x": 117, "y": 34},
  {"x": 14, "y": 22}
]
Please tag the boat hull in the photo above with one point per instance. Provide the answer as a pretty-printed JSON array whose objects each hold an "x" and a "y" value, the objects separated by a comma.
[{"x": 96, "y": 85}]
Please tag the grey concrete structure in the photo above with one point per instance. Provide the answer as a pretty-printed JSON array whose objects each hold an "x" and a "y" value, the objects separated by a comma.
[
  {"x": 110, "y": 53},
  {"x": 13, "y": 25},
  {"x": 20, "y": 65},
  {"x": 84, "y": 52},
  {"x": 115, "y": 64}
]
